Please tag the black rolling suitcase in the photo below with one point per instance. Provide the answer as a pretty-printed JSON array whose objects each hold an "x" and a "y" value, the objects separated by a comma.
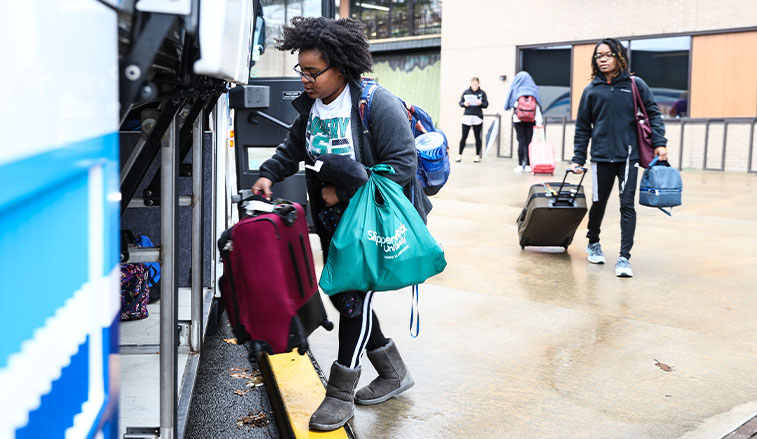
[{"x": 551, "y": 217}]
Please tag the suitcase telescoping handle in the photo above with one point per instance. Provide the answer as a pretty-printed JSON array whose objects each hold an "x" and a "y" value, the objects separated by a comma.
[
  {"x": 247, "y": 195},
  {"x": 559, "y": 191},
  {"x": 251, "y": 204},
  {"x": 254, "y": 204}
]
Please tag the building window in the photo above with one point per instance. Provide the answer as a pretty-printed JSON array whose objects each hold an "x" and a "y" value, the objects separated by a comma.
[
  {"x": 277, "y": 13},
  {"x": 663, "y": 63},
  {"x": 550, "y": 68},
  {"x": 398, "y": 18}
]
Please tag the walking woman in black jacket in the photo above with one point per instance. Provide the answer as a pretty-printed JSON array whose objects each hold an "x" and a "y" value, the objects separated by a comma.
[{"x": 606, "y": 116}]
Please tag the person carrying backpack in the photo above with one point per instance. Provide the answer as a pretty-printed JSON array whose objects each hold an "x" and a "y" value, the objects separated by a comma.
[
  {"x": 473, "y": 100},
  {"x": 606, "y": 117},
  {"x": 332, "y": 55},
  {"x": 523, "y": 99}
]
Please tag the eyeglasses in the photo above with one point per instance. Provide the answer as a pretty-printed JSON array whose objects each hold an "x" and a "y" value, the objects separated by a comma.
[
  {"x": 605, "y": 55},
  {"x": 310, "y": 77}
]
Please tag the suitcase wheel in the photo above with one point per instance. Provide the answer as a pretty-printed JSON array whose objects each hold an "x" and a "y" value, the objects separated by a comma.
[
  {"x": 327, "y": 324},
  {"x": 255, "y": 347},
  {"x": 302, "y": 349}
]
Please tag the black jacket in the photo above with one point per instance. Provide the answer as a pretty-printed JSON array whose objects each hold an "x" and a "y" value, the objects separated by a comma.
[
  {"x": 474, "y": 111},
  {"x": 606, "y": 116}
]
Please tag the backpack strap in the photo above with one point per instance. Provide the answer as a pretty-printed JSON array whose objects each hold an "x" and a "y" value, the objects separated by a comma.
[{"x": 368, "y": 87}]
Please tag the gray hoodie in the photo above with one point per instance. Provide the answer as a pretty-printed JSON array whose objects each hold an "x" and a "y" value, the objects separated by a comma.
[{"x": 390, "y": 141}]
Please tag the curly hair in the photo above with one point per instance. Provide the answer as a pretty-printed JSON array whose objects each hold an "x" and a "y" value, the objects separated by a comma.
[
  {"x": 620, "y": 54},
  {"x": 341, "y": 43}
]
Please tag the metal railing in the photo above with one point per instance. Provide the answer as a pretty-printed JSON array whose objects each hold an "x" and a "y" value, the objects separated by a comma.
[
  {"x": 400, "y": 24},
  {"x": 562, "y": 123}
]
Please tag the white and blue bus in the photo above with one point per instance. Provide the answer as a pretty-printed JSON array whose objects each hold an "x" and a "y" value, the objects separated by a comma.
[{"x": 59, "y": 201}]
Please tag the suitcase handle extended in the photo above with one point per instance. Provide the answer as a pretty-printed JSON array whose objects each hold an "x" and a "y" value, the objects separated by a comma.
[
  {"x": 247, "y": 195},
  {"x": 559, "y": 191}
]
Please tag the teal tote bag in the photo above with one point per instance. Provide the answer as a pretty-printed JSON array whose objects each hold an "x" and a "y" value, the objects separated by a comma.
[{"x": 381, "y": 242}]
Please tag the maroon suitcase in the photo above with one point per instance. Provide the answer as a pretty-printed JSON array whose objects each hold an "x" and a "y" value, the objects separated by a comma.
[{"x": 269, "y": 287}]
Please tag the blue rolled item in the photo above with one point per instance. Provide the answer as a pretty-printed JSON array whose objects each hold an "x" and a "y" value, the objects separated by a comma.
[{"x": 433, "y": 161}]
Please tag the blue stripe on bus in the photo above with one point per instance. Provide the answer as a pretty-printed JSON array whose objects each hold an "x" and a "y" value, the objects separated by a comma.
[
  {"x": 44, "y": 238},
  {"x": 57, "y": 408},
  {"x": 23, "y": 178},
  {"x": 44, "y": 259}
]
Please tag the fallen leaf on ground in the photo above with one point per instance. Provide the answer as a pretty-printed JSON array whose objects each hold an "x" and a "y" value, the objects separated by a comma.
[
  {"x": 257, "y": 420},
  {"x": 254, "y": 375},
  {"x": 240, "y": 392},
  {"x": 663, "y": 366},
  {"x": 244, "y": 375},
  {"x": 238, "y": 369},
  {"x": 255, "y": 381},
  {"x": 230, "y": 340}
]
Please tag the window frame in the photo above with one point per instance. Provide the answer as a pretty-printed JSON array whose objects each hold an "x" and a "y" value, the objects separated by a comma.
[{"x": 629, "y": 39}]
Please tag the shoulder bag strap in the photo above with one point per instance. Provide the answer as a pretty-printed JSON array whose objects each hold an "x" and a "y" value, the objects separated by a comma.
[{"x": 637, "y": 102}]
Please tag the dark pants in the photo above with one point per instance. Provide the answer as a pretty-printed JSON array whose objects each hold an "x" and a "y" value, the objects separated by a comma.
[
  {"x": 359, "y": 327},
  {"x": 604, "y": 178},
  {"x": 524, "y": 131},
  {"x": 476, "y": 134}
]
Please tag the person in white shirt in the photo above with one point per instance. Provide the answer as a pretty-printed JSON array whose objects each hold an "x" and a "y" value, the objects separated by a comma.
[{"x": 473, "y": 100}]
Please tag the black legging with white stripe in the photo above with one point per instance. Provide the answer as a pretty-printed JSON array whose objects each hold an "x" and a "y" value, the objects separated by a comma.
[{"x": 359, "y": 327}]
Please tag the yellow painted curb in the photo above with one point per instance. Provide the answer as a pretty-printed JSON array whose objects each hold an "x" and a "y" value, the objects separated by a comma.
[{"x": 292, "y": 380}]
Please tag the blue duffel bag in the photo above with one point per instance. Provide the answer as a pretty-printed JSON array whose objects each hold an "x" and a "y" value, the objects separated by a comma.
[{"x": 660, "y": 186}]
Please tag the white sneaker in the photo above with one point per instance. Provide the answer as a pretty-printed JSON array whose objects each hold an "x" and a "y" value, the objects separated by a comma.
[
  {"x": 526, "y": 168},
  {"x": 623, "y": 268},
  {"x": 595, "y": 253},
  {"x": 518, "y": 168}
]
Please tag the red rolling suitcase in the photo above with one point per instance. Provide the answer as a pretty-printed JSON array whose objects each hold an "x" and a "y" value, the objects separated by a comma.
[
  {"x": 269, "y": 287},
  {"x": 541, "y": 156}
]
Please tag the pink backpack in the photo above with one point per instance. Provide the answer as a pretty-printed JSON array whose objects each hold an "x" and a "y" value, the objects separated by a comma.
[{"x": 525, "y": 111}]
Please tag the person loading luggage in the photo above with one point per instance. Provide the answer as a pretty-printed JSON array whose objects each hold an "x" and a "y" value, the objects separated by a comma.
[
  {"x": 333, "y": 54},
  {"x": 606, "y": 116},
  {"x": 523, "y": 99},
  {"x": 473, "y": 100}
]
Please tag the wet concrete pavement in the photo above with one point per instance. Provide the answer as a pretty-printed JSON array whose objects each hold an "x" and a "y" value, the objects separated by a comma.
[{"x": 540, "y": 343}]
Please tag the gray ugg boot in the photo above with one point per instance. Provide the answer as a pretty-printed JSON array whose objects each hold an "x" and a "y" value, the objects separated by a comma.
[
  {"x": 393, "y": 376},
  {"x": 338, "y": 406}
]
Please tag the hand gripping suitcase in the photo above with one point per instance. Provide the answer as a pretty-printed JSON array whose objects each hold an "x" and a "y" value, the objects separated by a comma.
[
  {"x": 541, "y": 156},
  {"x": 269, "y": 287},
  {"x": 551, "y": 217}
]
